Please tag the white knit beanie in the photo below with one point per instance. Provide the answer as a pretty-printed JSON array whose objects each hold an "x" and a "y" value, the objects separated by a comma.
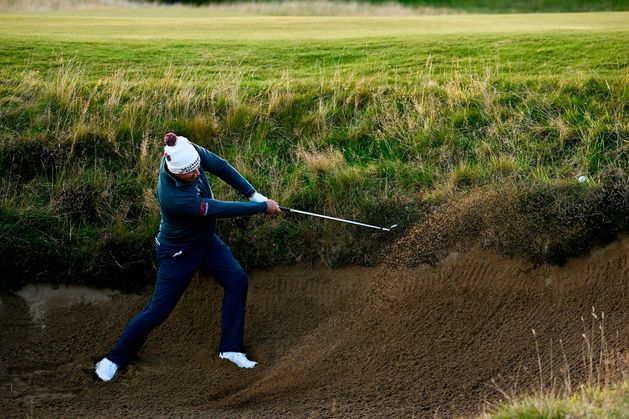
[{"x": 181, "y": 156}]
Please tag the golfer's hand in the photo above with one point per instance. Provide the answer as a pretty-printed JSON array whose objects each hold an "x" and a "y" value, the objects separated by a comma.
[{"x": 272, "y": 207}]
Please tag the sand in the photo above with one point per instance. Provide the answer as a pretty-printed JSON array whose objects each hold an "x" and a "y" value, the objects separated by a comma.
[{"x": 442, "y": 340}]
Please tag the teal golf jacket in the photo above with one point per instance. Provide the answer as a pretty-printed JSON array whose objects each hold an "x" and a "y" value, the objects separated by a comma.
[{"x": 189, "y": 210}]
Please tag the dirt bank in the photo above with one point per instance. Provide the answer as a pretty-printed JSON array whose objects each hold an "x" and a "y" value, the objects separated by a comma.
[{"x": 347, "y": 342}]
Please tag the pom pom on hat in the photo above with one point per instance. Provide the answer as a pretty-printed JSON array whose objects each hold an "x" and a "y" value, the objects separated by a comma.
[
  {"x": 170, "y": 139},
  {"x": 181, "y": 156}
]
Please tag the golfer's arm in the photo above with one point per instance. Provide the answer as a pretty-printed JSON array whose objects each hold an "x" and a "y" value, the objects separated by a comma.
[
  {"x": 219, "y": 167},
  {"x": 213, "y": 208}
]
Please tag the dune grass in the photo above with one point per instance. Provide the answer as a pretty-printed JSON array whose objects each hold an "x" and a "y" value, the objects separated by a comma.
[{"x": 371, "y": 118}]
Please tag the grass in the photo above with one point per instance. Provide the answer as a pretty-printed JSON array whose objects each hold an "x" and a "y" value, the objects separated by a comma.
[
  {"x": 193, "y": 25},
  {"x": 596, "y": 388},
  {"x": 369, "y": 118},
  {"x": 590, "y": 402},
  {"x": 398, "y": 49}
]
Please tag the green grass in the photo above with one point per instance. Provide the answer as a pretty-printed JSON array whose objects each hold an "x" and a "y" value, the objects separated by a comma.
[
  {"x": 192, "y": 25},
  {"x": 368, "y": 118},
  {"x": 517, "y": 47}
]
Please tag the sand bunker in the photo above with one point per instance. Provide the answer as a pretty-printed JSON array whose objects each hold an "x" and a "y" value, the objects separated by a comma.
[{"x": 356, "y": 341}]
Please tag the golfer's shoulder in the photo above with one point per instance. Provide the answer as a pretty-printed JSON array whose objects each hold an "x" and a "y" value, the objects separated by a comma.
[
  {"x": 208, "y": 158},
  {"x": 203, "y": 152}
]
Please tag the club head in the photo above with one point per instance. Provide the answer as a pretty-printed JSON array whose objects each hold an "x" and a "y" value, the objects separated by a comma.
[{"x": 390, "y": 228}]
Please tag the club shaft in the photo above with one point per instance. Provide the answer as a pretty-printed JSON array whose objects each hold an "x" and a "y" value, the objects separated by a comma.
[{"x": 327, "y": 217}]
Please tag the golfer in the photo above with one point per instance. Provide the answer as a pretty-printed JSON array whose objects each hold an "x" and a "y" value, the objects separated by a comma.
[{"x": 187, "y": 241}]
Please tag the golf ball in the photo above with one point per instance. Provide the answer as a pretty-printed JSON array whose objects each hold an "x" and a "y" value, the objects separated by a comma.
[{"x": 582, "y": 179}]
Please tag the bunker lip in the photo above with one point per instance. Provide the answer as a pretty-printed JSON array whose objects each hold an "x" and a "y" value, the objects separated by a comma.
[{"x": 351, "y": 342}]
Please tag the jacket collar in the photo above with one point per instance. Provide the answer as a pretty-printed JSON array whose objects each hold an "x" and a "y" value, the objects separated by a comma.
[{"x": 172, "y": 177}]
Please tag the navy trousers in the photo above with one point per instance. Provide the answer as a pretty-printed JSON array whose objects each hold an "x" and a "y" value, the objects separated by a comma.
[{"x": 176, "y": 267}]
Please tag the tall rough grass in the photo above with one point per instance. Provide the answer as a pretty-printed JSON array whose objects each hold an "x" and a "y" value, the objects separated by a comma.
[{"x": 79, "y": 155}]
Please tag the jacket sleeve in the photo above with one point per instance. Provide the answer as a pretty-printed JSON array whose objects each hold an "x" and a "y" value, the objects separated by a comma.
[
  {"x": 205, "y": 207},
  {"x": 219, "y": 167}
]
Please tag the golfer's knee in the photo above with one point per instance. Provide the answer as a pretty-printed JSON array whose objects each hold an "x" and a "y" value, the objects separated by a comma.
[
  {"x": 239, "y": 282},
  {"x": 156, "y": 313}
]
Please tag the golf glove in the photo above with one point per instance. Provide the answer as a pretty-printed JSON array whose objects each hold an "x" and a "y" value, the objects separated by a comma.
[{"x": 258, "y": 197}]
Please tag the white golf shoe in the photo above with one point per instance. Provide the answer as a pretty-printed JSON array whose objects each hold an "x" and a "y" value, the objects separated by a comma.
[
  {"x": 238, "y": 358},
  {"x": 105, "y": 369}
]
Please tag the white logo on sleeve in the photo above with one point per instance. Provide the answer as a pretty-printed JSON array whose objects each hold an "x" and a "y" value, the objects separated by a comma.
[{"x": 178, "y": 253}]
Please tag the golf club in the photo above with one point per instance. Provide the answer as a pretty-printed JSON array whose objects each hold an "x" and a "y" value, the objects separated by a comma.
[{"x": 327, "y": 217}]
